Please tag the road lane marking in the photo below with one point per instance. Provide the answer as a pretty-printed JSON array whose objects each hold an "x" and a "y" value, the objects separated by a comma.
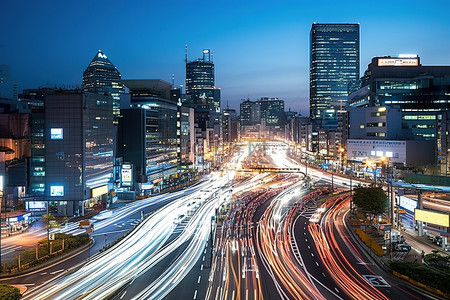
[
  {"x": 123, "y": 294},
  {"x": 53, "y": 273},
  {"x": 203, "y": 258},
  {"x": 336, "y": 290},
  {"x": 201, "y": 268},
  {"x": 317, "y": 263},
  {"x": 199, "y": 277},
  {"x": 195, "y": 294}
]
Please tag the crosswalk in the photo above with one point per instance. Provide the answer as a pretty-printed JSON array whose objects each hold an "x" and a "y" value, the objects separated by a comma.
[{"x": 6, "y": 249}]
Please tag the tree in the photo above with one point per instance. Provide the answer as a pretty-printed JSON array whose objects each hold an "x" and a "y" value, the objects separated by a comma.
[{"x": 371, "y": 201}]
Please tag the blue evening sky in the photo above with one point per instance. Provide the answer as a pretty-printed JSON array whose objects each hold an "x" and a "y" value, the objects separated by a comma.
[{"x": 260, "y": 47}]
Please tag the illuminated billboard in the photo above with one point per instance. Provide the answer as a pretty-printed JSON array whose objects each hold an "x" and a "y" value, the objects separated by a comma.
[
  {"x": 398, "y": 62},
  {"x": 56, "y": 190},
  {"x": 102, "y": 190},
  {"x": 432, "y": 217},
  {"x": 127, "y": 175},
  {"x": 56, "y": 133}
]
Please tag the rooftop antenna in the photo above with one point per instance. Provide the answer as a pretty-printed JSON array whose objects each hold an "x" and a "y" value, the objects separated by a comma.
[
  {"x": 173, "y": 81},
  {"x": 185, "y": 53},
  {"x": 227, "y": 105}
]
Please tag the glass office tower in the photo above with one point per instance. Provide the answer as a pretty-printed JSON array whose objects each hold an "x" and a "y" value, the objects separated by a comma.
[
  {"x": 200, "y": 86},
  {"x": 334, "y": 63},
  {"x": 101, "y": 77}
]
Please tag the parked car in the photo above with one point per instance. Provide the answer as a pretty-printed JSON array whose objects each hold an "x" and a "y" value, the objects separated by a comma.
[{"x": 403, "y": 247}]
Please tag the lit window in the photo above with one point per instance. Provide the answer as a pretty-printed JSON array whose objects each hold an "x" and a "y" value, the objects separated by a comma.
[
  {"x": 56, "y": 133},
  {"x": 56, "y": 190}
]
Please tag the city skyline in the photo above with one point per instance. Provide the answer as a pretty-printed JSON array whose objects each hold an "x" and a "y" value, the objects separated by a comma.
[{"x": 260, "y": 48}]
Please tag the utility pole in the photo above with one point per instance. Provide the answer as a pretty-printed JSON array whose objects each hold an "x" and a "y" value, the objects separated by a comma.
[{"x": 332, "y": 178}]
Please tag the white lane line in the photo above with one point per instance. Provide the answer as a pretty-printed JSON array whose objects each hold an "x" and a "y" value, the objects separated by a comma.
[
  {"x": 317, "y": 264},
  {"x": 53, "y": 273},
  {"x": 203, "y": 258},
  {"x": 123, "y": 294},
  {"x": 44, "y": 273},
  {"x": 201, "y": 268},
  {"x": 199, "y": 278},
  {"x": 336, "y": 290},
  {"x": 195, "y": 294}
]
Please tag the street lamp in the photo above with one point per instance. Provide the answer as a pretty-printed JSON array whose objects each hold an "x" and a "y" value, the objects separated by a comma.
[{"x": 341, "y": 153}]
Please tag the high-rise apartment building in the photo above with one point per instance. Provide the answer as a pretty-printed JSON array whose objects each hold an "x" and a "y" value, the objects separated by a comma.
[
  {"x": 101, "y": 77},
  {"x": 334, "y": 64}
]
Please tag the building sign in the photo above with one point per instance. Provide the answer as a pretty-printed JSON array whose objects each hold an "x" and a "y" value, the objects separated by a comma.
[
  {"x": 408, "y": 203},
  {"x": 36, "y": 205},
  {"x": 56, "y": 190},
  {"x": 102, "y": 190},
  {"x": 432, "y": 217},
  {"x": 363, "y": 149},
  {"x": 127, "y": 175},
  {"x": 398, "y": 62},
  {"x": 147, "y": 186},
  {"x": 56, "y": 133}
]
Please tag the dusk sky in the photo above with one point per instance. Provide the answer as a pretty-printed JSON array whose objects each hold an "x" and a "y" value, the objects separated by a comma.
[{"x": 260, "y": 47}]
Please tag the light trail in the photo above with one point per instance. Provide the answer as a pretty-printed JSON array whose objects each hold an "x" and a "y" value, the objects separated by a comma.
[
  {"x": 138, "y": 252},
  {"x": 336, "y": 263}
]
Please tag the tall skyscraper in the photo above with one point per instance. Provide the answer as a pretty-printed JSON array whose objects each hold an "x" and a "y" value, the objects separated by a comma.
[
  {"x": 201, "y": 87},
  {"x": 101, "y": 77},
  {"x": 334, "y": 63}
]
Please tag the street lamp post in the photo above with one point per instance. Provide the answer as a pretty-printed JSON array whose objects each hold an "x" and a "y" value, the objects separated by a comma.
[{"x": 341, "y": 153}]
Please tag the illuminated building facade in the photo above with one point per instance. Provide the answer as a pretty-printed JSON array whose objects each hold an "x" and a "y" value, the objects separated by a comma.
[
  {"x": 334, "y": 63},
  {"x": 101, "y": 77},
  {"x": 205, "y": 97},
  {"x": 400, "y": 98},
  {"x": 250, "y": 113},
  {"x": 148, "y": 134},
  {"x": 272, "y": 110},
  {"x": 78, "y": 150}
]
